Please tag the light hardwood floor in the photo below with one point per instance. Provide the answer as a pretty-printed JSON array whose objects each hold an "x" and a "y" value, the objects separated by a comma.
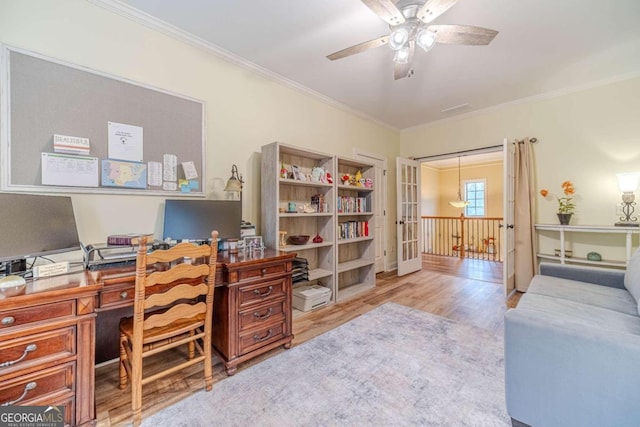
[{"x": 476, "y": 302}]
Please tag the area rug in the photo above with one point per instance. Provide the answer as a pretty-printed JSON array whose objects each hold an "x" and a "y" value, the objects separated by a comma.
[{"x": 392, "y": 366}]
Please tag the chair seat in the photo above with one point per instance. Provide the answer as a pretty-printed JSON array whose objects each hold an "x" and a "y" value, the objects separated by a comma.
[{"x": 152, "y": 335}]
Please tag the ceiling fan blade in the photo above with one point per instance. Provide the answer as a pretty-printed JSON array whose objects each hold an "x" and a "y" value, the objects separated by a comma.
[
  {"x": 434, "y": 8},
  {"x": 386, "y": 10},
  {"x": 358, "y": 48},
  {"x": 401, "y": 71},
  {"x": 463, "y": 34}
]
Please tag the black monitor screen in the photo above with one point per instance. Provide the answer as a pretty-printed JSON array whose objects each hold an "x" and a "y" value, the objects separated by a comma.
[
  {"x": 33, "y": 225},
  {"x": 195, "y": 219}
]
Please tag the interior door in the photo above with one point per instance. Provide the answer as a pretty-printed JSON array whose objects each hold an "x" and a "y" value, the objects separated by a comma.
[
  {"x": 408, "y": 216},
  {"x": 508, "y": 236}
]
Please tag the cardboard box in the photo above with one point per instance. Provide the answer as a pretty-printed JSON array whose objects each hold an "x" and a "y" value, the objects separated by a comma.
[{"x": 309, "y": 297}]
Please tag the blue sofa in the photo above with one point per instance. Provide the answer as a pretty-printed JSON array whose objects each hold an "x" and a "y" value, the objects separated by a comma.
[{"x": 572, "y": 348}]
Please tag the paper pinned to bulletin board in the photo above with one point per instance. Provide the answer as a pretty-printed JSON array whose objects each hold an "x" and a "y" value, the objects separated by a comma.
[
  {"x": 69, "y": 170},
  {"x": 125, "y": 142}
]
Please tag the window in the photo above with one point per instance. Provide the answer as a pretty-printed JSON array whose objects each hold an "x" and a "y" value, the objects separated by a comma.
[{"x": 475, "y": 194}]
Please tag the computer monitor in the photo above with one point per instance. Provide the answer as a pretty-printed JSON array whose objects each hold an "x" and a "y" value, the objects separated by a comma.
[
  {"x": 35, "y": 225},
  {"x": 195, "y": 219}
]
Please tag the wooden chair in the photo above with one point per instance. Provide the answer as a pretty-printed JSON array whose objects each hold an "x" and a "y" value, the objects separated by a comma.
[{"x": 172, "y": 307}]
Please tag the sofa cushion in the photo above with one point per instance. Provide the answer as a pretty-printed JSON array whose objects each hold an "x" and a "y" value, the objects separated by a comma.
[
  {"x": 586, "y": 293},
  {"x": 575, "y": 312},
  {"x": 632, "y": 275}
]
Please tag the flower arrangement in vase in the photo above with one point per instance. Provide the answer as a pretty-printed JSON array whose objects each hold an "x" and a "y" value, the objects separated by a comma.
[{"x": 566, "y": 207}]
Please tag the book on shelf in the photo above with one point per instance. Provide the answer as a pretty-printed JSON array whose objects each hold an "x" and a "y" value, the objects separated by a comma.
[
  {"x": 347, "y": 204},
  {"x": 127, "y": 239},
  {"x": 353, "y": 229}
]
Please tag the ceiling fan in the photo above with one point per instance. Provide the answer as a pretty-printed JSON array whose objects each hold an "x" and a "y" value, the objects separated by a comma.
[{"x": 408, "y": 21}]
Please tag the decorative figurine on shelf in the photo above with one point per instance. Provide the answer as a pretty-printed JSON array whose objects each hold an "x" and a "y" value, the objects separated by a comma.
[
  {"x": 317, "y": 174},
  {"x": 317, "y": 239},
  {"x": 368, "y": 183},
  {"x": 307, "y": 208},
  {"x": 283, "y": 171},
  {"x": 283, "y": 239},
  {"x": 297, "y": 173},
  {"x": 327, "y": 175},
  {"x": 358, "y": 178},
  {"x": 346, "y": 178}
]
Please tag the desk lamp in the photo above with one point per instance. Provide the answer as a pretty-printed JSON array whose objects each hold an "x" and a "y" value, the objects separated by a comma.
[
  {"x": 234, "y": 184},
  {"x": 628, "y": 184}
]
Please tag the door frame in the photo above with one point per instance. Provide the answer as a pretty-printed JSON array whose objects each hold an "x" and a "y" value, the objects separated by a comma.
[{"x": 381, "y": 191}]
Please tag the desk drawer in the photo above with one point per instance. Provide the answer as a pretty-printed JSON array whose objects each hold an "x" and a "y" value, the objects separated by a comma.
[
  {"x": 117, "y": 297},
  {"x": 48, "y": 312},
  {"x": 52, "y": 381},
  {"x": 262, "y": 291},
  {"x": 259, "y": 315},
  {"x": 261, "y": 271},
  {"x": 45, "y": 347},
  {"x": 254, "y": 339}
]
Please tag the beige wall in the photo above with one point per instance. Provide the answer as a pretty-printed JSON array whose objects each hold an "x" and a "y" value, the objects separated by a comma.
[
  {"x": 430, "y": 190},
  {"x": 586, "y": 136},
  {"x": 448, "y": 188},
  {"x": 244, "y": 110}
]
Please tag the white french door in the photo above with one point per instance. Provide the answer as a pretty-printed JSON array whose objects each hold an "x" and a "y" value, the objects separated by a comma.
[
  {"x": 408, "y": 216},
  {"x": 508, "y": 236}
]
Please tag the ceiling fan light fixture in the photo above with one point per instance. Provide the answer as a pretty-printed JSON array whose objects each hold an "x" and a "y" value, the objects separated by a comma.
[
  {"x": 402, "y": 55},
  {"x": 399, "y": 38},
  {"x": 426, "y": 39}
]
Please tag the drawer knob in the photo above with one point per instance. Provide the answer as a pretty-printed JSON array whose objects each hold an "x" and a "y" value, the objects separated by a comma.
[
  {"x": 264, "y": 271},
  {"x": 263, "y": 316},
  {"x": 29, "y": 386},
  {"x": 124, "y": 295},
  {"x": 27, "y": 350},
  {"x": 265, "y": 294},
  {"x": 258, "y": 338},
  {"x": 8, "y": 320}
]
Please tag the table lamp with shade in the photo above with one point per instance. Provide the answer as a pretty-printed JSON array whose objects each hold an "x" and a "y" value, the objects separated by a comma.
[
  {"x": 628, "y": 184},
  {"x": 234, "y": 184}
]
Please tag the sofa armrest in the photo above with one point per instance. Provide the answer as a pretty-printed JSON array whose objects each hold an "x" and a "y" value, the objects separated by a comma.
[
  {"x": 559, "y": 372},
  {"x": 596, "y": 275}
]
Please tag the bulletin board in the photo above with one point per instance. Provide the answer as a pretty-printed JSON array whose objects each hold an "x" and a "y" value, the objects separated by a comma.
[{"x": 67, "y": 128}]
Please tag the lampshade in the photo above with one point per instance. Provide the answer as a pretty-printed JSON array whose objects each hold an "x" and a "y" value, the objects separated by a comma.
[
  {"x": 402, "y": 55},
  {"x": 234, "y": 184},
  {"x": 426, "y": 39},
  {"x": 459, "y": 202},
  {"x": 399, "y": 38},
  {"x": 628, "y": 182}
]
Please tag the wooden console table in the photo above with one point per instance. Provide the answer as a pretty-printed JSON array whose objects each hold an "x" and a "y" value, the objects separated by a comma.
[{"x": 53, "y": 330}]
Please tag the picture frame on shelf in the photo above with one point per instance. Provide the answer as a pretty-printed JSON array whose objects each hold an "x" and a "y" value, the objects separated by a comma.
[{"x": 251, "y": 243}]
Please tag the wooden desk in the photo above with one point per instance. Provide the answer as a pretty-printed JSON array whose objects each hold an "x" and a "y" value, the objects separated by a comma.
[
  {"x": 47, "y": 337},
  {"x": 59, "y": 315}
]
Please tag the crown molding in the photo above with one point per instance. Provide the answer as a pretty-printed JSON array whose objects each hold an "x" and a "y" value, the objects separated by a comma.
[{"x": 149, "y": 21}]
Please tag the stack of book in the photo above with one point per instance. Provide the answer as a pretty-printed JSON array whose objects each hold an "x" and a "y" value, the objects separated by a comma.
[{"x": 300, "y": 270}]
